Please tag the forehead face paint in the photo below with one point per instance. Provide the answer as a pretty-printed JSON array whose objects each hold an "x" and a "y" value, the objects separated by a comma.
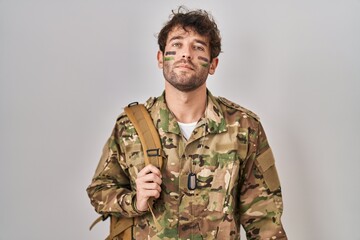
[{"x": 206, "y": 64}]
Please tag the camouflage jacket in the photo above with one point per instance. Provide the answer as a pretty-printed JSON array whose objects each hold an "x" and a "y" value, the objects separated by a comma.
[{"x": 237, "y": 182}]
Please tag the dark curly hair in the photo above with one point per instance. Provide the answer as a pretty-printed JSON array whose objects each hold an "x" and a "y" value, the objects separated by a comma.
[{"x": 199, "y": 21}]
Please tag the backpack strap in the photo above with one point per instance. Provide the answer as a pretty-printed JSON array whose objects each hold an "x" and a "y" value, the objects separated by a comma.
[
  {"x": 150, "y": 141},
  {"x": 151, "y": 144},
  {"x": 101, "y": 218},
  {"x": 120, "y": 226},
  {"x": 147, "y": 132}
]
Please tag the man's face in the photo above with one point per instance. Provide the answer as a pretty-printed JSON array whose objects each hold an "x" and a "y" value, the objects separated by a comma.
[{"x": 186, "y": 60}]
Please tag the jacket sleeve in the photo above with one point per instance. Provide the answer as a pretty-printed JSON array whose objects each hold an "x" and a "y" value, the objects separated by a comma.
[
  {"x": 261, "y": 200},
  {"x": 110, "y": 190}
]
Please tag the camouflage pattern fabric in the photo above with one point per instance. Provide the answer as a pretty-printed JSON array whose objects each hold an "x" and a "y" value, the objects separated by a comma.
[{"x": 237, "y": 178}]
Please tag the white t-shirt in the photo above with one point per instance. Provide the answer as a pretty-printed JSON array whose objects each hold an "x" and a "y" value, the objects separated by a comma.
[{"x": 187, "y": 128}]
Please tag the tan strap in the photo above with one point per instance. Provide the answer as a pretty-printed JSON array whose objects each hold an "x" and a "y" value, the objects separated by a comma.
[
  {"x": 101, "y": 218},
  {"x": 151, "y": 144},
  {"x": 118, "y": 226},
  {"x": 150, "y": 141},
  {"x": 147, "y": 132}
]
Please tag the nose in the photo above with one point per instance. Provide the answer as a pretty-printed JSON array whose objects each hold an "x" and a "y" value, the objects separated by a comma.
[{"x": 187, "y": 54}]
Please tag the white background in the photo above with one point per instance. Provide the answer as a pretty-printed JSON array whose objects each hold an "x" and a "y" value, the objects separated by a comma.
[{"x": 68, "y": 67}]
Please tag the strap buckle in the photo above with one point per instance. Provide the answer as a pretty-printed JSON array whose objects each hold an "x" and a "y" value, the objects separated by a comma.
[
  {"x": 155, "y": 152},
  {"x": 133, "y": 104}
]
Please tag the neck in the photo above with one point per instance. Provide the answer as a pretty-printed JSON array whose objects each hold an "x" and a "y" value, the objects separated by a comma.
[{"x": 187, "y": 107}]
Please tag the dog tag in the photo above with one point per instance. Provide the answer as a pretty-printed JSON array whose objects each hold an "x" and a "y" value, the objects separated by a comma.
[{"x": 192, "y": 181}]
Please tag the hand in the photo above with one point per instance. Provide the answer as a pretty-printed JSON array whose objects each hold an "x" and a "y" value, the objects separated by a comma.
[{"x": 148, "y": 183}]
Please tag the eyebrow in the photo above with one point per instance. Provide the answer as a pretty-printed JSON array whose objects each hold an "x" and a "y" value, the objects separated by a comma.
[
  {"x": 181, "y": 37},
  {"x": 175, "y": 38},
  {"x": 201, "y": 42}
]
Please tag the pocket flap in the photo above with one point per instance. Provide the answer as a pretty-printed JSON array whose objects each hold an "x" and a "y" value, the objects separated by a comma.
[
  {"x": 133, "y": 148},
  {"x": 266, "y": 164},
  {"x": 225, "y": 147},
  {"x": 266, "y": 160},
  {"x": 272, "y": 179}
]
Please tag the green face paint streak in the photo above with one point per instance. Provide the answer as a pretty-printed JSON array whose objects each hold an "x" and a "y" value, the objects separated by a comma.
[
  {"x": 206, "y": 64},
  {"x": 168, "y": 58}
]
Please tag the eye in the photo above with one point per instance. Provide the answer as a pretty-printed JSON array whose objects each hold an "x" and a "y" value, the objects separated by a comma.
[
  {"x": 199, "y": 48},
  {"x": 176, "y": 44}
]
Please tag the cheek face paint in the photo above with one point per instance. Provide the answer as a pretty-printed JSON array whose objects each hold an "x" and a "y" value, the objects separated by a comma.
[
  {"x": 170, "y": 53},
  {"x": 206, "y": 64}
]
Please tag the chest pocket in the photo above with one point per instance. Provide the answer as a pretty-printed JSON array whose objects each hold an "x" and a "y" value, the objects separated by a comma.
[
  {"x": 226, "y": 158},
  {"x": 134, "y": 159}
]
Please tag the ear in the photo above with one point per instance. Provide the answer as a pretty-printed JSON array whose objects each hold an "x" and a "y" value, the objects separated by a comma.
[
  {"x": 160, "y": 59},
  {"x": 213, "y": 66}
]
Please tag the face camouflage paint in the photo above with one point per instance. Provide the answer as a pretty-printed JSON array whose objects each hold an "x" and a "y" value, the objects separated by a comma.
[
  {"x": 206, "y": 64},
  {"x": 203, "y": 59},
  {"x": 168, "y": 58},
  {"x": 170, "y": 53}
]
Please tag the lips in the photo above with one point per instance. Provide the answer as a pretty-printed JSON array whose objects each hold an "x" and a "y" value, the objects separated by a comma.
[{"x": 184, "y": 66}]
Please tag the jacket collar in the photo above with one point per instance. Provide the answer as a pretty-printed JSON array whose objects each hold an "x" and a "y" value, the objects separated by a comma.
[{"x": 165, "y": 121}]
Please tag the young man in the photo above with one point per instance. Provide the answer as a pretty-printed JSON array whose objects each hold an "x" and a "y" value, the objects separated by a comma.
[{"x": 218, "y": 167}]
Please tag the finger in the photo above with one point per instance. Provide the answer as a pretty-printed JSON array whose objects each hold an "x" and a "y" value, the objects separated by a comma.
[
  {"x": 149, "y": 169},
  {"x": 149, "y": 178},
  {"x": 150, "y": 186},
  {"x": 151, "y": 193}
]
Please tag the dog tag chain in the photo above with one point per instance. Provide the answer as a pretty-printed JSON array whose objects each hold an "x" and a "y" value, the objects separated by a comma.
[{"x": 192, "y": 179}]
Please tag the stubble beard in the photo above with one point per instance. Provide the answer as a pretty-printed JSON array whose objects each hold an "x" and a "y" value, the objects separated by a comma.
[{"x": 185, "y": 81}]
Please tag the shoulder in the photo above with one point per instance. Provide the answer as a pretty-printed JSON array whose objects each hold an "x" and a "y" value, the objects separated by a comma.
[
  {"x": 150, "y": 102},
  {"x": 123, "y": 118},
  {"x": 236, "y": 107}
]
